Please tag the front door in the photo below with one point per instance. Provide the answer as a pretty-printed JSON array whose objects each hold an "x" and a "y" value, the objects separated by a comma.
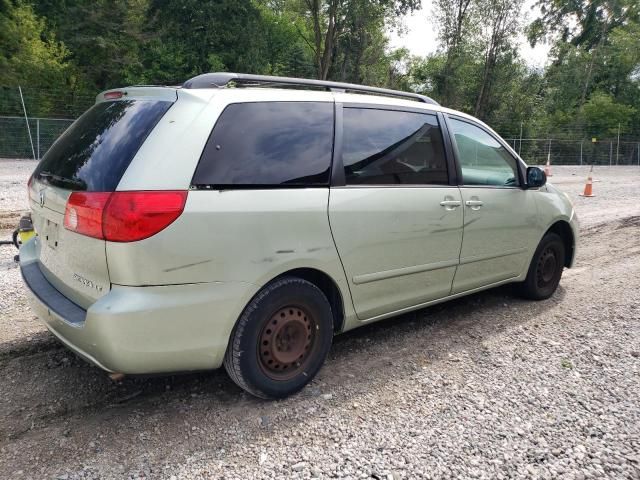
[
  {"x": 397, "y": 223},
  {"x": 500, "y": 218}
]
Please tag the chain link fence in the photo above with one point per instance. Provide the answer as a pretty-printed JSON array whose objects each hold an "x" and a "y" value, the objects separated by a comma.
[
  {"x": 567, "y": 147},
  {"x": 16, "y": 141},
  {"x": 31, "y": 119},
  {"x": 536, "y": 151}
]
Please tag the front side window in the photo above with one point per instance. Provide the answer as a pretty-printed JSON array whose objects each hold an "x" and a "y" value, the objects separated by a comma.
[
  {"x": 384, "y": 147},
  {"x": 269, "y": 144},
  {"x": 484, "y": 161}
]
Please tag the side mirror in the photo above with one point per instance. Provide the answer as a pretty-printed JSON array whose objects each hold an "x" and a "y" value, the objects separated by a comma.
[{"x": 535, "y": 177}]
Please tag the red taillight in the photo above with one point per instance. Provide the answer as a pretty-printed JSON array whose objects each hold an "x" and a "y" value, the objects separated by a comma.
[
  {"x": 84, "y": 211},
  {"x": 123, "y": 216},
  {"x": 113, "y": 95},
  {"x": 132, "y": 216}
]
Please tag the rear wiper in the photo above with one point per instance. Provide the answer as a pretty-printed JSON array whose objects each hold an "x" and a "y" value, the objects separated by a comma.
[{"x": 63, "y": 181}]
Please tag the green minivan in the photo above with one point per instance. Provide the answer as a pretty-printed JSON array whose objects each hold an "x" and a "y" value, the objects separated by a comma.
[{"x": 244, "y": 220}]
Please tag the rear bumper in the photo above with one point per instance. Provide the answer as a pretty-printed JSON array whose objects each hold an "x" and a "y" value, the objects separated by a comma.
[{"x": 138, "y": 330}]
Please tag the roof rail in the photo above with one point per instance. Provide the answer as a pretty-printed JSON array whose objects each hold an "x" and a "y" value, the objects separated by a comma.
[{"x": 222, "y": 79}]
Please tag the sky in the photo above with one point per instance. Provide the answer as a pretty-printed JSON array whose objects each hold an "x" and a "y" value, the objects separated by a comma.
[{"x": 421, "y": 34}]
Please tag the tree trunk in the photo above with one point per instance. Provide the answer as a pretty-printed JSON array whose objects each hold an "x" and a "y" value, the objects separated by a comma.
[
  {"x": 329, "y": 40},
  {"x": 499, "y": 33},
  {"x": 483, "y": 86},
  {"x": 595, "y": 52},
  {"x": 314, "y": 8},
  {"x": 448, "y": 92}
]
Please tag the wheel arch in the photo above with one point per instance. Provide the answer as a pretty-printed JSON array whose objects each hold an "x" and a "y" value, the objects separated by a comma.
[
  {"x": 562, "y": 228},
  {"x": 329, "y": 288}
]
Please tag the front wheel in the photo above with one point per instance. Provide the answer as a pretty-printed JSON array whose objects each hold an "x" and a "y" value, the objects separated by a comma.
[
  {"x": 545, "y": 270},
  {"x": 281, "y": 339}
]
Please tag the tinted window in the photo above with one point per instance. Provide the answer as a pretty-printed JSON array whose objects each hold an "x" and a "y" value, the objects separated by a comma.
[
  {"x": 383, "y": 147},
  {"x": 484, "y": 161},
  {"x": 96, "y": 150},
  {"x": 269, "y": 143}
]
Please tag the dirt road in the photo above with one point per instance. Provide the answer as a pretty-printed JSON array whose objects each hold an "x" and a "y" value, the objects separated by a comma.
[{"x": 489, "y": 386}]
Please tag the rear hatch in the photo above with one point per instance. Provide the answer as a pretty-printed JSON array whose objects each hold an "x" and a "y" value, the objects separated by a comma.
[{"x": 91, "y": 156}]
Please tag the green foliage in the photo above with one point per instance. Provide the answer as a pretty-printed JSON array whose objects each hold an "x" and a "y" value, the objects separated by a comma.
[
  {"x": 23, "y": 52},
  {"x": 102, "y": 36},
  {"x": 225, "y": 35},
  {"x": 582, "y": 22},
  {"x": 64, "y": 51},
  {"x": 603, "y": 116},
  {"x": 29, "y": 57},
  {"x": 591, "y": 85},
  {"x": 340, "y": 33}
]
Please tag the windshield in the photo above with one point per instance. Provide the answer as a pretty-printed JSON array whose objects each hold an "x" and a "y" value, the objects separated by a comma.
[{"x": 95, "y": 151}]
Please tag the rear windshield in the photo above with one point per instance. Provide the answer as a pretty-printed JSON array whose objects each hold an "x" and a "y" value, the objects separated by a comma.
[{"x": 95, "y": 151}]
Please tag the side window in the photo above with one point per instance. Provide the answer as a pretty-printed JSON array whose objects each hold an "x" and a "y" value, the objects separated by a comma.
[
  {"x": 482, "y": 159},
  {"x": 383, "y": 147},
  {"x": 269, "y": 143}
]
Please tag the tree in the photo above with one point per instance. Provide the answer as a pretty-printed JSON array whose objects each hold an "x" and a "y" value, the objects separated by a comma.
[
  {"x": 498, "y": 31},
  {"x": 585, "y": 24},
  {"x": 24, "y": 56},
  {"x": 603, "y": 116},
  {"x": 29, "y": 60},
  {"x": 456, "y": 20},
  {"x": 477, "y": 55},
  {"x": 103, "y": 36},
  {"x": 581, "y": 22},
  {"x": 331, "y": 19},
  {"x": 194, "y": 36}
]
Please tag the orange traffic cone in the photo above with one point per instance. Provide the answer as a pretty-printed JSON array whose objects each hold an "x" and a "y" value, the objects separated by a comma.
[
  {"x": 588, "y": 188},
  {"x": 547, "y": 167}
]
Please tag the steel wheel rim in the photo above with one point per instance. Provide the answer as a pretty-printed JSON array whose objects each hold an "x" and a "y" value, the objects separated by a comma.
[
  {"x": 286, "y": 342},
  {"x": 547, "y": 266}
]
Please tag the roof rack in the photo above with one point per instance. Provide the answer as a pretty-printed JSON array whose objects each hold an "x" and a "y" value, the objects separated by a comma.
[{"x": 222, "y": 79}]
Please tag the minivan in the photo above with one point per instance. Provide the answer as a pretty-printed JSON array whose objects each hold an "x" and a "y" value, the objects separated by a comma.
[{"x": 244, "y": 220}]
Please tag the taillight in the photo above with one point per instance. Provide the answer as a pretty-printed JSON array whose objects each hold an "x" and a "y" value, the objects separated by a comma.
[
  {"x": 132, "y": 216},
  {"x": 123, "y": 216},
  {"x": 84, "y": 211}
]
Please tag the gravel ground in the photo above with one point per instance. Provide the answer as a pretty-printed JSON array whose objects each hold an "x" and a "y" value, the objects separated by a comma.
[{"x": 488, "y": 386}]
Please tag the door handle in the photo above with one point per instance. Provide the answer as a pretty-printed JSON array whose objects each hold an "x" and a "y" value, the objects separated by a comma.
[
  {"x": 450, "y": 203},
  {"x": 474, "y": 204}
]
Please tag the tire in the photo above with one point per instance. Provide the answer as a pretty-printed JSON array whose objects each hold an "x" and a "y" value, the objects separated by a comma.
[
  {"x": 281, "y": 340},
  {"x": 545, "y": 270}
]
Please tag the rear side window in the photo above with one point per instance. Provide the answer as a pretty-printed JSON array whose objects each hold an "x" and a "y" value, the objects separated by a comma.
[
  {"x": 95, "y": 151},
  {"x": 268, "y": 144},
  {"x": 383, "y": 147}
]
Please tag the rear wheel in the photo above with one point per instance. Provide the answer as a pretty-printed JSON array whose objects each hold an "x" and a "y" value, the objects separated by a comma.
[
  {"x": 545, "y": 270},
  {"x": 281, "y": 339}
]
